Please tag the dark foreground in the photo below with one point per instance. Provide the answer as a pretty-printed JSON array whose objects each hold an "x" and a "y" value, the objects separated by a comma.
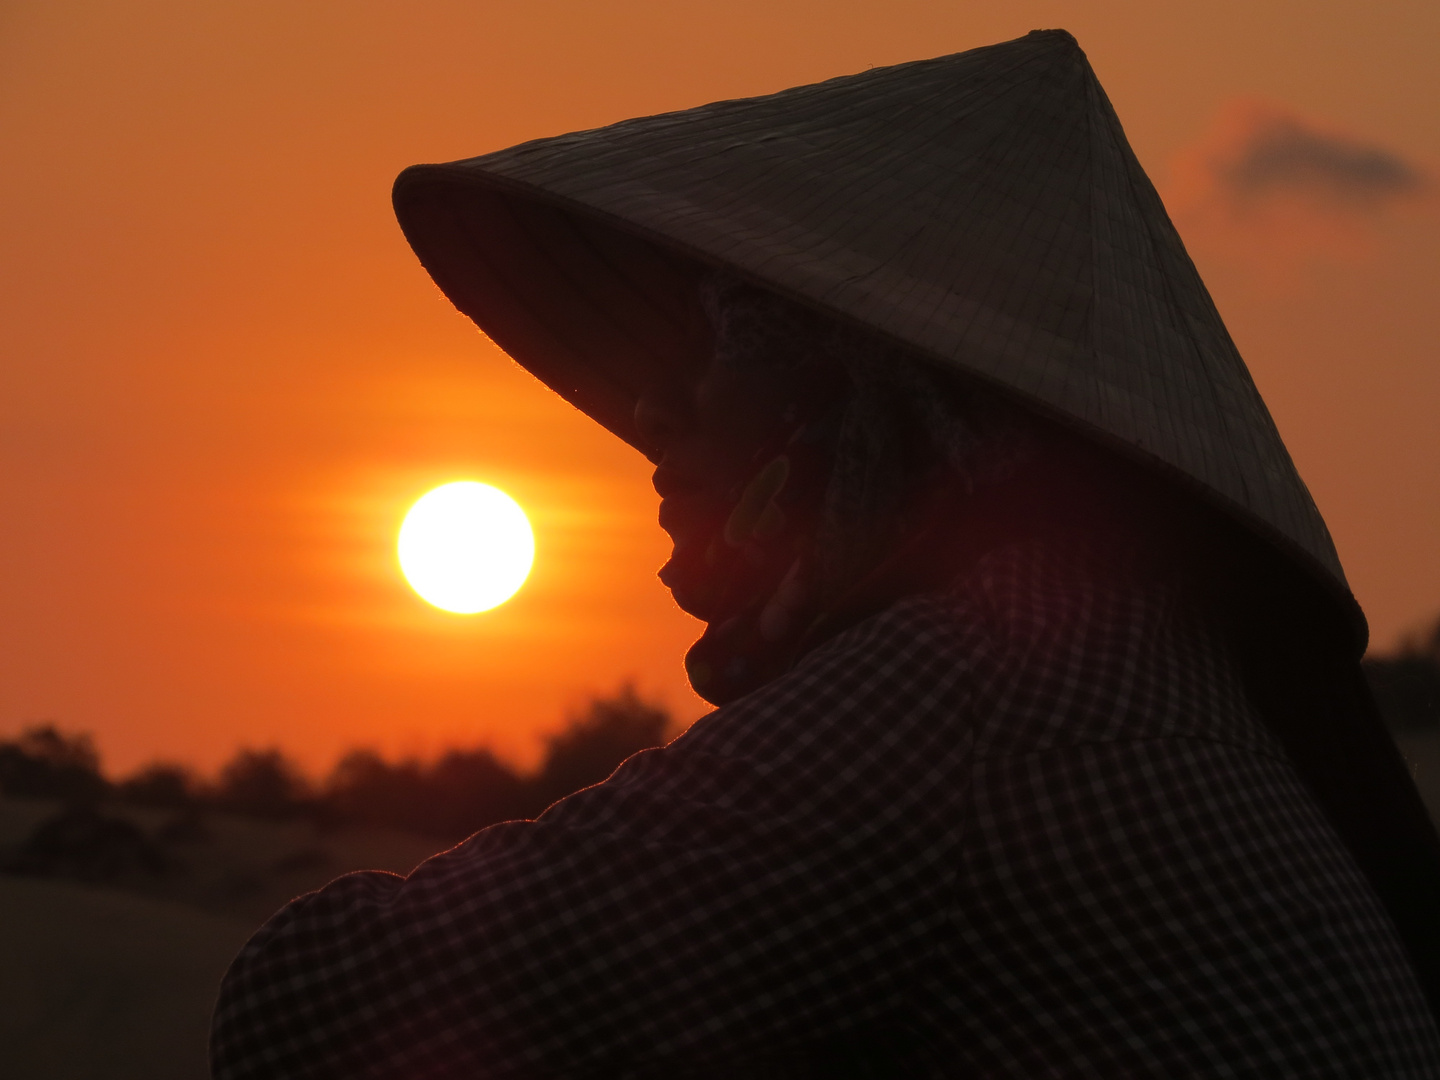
[{"x": 115, "y": 979}]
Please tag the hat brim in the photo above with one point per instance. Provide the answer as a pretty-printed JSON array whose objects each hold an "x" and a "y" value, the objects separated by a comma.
[
  {"x": 590, "y": 308},
  {"x": 595, "y": 309}
]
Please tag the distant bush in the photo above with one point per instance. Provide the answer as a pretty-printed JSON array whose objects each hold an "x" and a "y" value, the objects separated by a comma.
[
  {"x": 458, "y": 794},
  {"x": 444, "y": 799},
  {"x": 47, "y": 763},
  {"x": 596, "y": 741},
  {"x": 261, "y": 783},
  {"x": 365, "y": 789},
  {"x": 465, "y": 790},
  {"x": 161, "y": 784},
  {"x": 470, "y": 786},
  {"x": 80, "y": 842},
  {"x": 1407, "y": 685}
]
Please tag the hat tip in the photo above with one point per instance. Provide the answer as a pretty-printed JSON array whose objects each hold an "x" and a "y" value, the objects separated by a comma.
[{"x": 1056, "y": 34}]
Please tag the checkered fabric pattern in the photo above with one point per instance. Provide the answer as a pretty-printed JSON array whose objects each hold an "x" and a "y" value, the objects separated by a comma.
[{"x": 1028, "y": 827}]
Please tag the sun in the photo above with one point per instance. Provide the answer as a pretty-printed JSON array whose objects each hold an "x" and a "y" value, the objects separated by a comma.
[{"x": 466, "y": 547}]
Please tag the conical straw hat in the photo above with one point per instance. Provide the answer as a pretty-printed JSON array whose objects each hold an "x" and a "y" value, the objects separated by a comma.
[{"x": 984, "y": 209}]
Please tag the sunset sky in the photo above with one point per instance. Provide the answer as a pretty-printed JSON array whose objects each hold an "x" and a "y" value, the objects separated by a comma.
[{"x": 224, "y": 377}]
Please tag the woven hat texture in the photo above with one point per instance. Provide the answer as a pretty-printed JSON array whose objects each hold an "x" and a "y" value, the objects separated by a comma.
[{"x": 983, "y": 208}]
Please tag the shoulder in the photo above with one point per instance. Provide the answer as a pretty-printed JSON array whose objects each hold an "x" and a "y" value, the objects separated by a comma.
[
  {"x": 867, "y": 741},
  {"x": 884, "y": 704},
  {"x": 1090, "y": 637}
]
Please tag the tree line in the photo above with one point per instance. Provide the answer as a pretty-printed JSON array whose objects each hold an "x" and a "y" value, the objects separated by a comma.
[
  {"x": 464, "y": 790},
  {"x": 1407, "y": 684},
  {"x": 461, "y": 791}
]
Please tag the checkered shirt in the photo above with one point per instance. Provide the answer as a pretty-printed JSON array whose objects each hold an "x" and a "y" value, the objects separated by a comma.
[{"x": 1028, "y": 827}]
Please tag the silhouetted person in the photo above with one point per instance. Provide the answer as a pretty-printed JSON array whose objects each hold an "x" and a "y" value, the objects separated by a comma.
[{"x": 1041, "y": 748}]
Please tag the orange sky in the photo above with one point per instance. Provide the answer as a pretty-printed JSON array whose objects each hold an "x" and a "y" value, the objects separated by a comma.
[{"x": 225, "y": 377}]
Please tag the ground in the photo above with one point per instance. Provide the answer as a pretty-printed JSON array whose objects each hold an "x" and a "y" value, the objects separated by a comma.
[{"x": 116, "y": 978}]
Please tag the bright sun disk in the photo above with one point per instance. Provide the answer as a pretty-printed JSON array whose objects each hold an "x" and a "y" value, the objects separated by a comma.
[{"x": 466, "y": 547}]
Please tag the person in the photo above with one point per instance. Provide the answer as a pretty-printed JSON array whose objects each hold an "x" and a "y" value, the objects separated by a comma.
[{"x": 1041, "y": 747}]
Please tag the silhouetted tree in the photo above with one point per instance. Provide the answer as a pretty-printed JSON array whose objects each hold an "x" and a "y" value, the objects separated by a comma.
[
  {"x": 473, "y": 789},
  {"x": 365, "y": 789},
  {"x": 466, "y": 790},
  {"x": 1407, "y": 685},
  {"x": 262, "y": 783},
  {"x": 596, "y": 741},
  {"x": 459, "y": 794},
  {"x": 47, "y": 763},
  {"x": 161, "y": 784}
]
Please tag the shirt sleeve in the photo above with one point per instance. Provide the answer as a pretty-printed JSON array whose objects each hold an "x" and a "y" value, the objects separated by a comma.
[{"x": 773, "y": 878}]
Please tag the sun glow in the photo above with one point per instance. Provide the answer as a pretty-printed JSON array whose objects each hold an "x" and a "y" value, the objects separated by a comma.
[{"x": 466, "y": 547}]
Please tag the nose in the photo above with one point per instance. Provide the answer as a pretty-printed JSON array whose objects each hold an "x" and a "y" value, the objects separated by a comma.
[{"x": 659, "y": 418}]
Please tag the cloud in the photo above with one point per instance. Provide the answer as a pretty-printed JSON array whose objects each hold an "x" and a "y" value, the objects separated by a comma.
[
  {"x": 1277, "y": 189},
  {"x": 1284, "y": 157},
  {"x": 1256, "y": 151}
]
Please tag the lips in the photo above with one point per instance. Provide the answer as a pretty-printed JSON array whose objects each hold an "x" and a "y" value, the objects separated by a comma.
[
  {"x": 691, "y": 521},
  {"x": 692, "y": 517},
  {"x": 694, "y": 584}
]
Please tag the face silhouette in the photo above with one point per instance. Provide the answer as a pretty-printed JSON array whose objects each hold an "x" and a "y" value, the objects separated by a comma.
[{"x": 712, "y": 426}]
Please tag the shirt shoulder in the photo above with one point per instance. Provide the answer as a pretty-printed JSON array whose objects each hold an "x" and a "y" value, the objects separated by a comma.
[
  {"x": 1085, "y": 639},
  {"x": 871, "y": 716}
]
